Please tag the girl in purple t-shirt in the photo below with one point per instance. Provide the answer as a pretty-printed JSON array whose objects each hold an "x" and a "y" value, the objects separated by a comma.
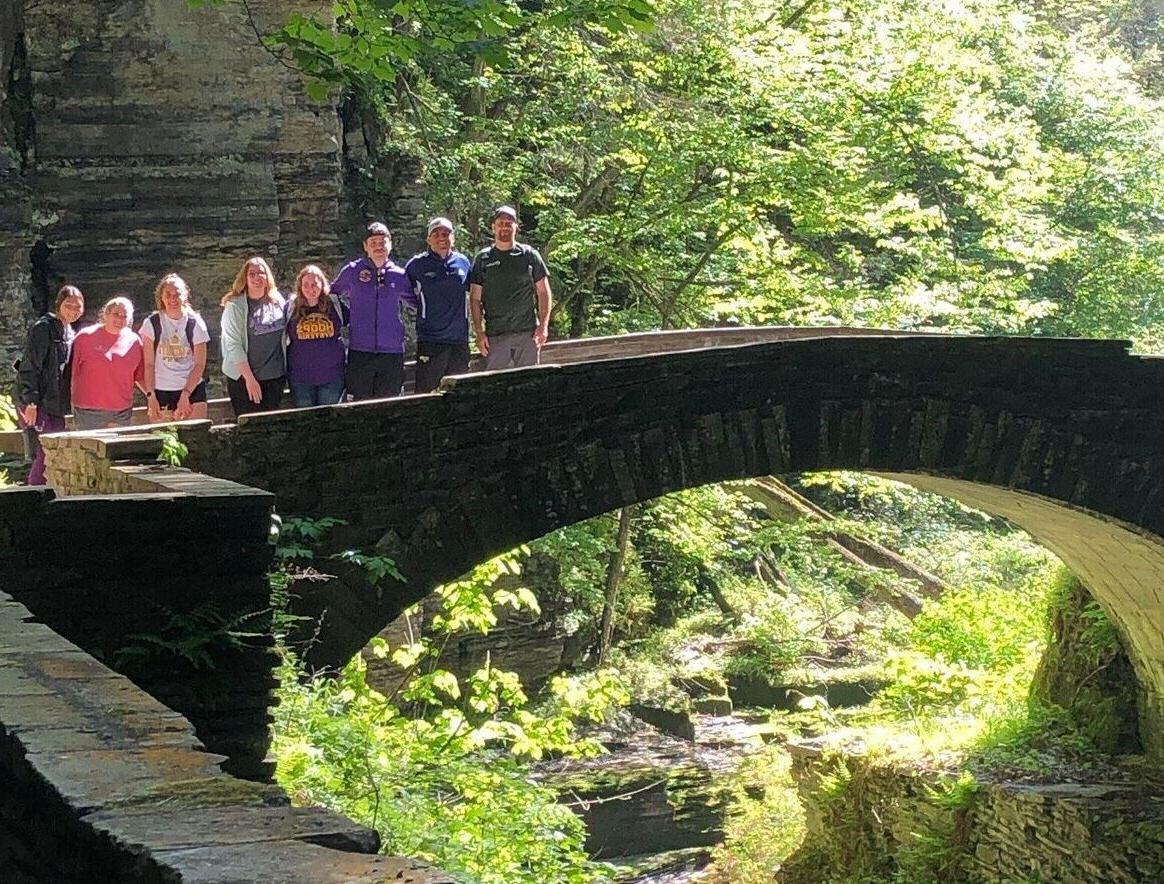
[{"x": 315, "y": 347}]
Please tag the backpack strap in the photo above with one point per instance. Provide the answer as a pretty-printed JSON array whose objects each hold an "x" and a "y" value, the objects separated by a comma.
[{"x": 155, "y": 321}]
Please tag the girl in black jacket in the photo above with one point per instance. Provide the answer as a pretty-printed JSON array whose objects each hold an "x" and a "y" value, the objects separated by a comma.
[{"x": 43, "y": 380}]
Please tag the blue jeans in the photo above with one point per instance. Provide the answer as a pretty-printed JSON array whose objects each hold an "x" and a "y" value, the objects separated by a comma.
[{"x": 307, "y": 395}]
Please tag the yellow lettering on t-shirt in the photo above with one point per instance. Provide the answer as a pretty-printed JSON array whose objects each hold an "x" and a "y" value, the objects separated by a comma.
[
  {"x": 174, "y": 349},
  {"x": 315, "y": 327}
]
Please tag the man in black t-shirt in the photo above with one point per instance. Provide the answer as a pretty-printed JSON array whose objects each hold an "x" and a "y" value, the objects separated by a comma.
[{"x": 509, "y": 297}]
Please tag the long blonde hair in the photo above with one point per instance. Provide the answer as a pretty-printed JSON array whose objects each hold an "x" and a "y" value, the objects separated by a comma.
[{"x": 239, "y": 286}]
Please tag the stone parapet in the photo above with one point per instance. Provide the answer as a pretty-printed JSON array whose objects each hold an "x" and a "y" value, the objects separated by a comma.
[
  {"x": 125, "y": 461},
  {"x": 169, "y": 588},
  {"x": 101, "y": 782}
]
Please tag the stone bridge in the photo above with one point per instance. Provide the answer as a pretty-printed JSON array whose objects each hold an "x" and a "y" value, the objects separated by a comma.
[{"x": 1064, "y": 437}]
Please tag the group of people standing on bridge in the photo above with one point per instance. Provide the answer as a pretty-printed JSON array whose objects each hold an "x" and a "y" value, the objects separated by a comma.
[{"x": 329, "y": 341}]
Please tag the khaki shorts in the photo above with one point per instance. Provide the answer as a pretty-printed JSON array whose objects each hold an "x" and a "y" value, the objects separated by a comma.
[
  {"x": 99, "y": 418},
  {"x": 518, "y": 350}
]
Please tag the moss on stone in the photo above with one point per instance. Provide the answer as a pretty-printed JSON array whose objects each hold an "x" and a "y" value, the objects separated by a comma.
[
  {"x": 221, "y": 791},
  {"x": 1086, "y": 671}
]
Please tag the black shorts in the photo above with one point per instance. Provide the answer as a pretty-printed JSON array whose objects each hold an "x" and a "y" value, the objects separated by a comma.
[
  {"x": 168, "y": 399},
  {"x": 240, "y": 400}
]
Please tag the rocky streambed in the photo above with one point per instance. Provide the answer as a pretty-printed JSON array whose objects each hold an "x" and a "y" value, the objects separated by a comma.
[{"x": 656, "y": 803}]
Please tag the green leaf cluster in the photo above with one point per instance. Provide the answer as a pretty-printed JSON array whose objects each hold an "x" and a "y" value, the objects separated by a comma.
[
  {"x": 988, "y": 165},
  {"x": 441, "y": 767},
  {"x": 195, "y": 638}
]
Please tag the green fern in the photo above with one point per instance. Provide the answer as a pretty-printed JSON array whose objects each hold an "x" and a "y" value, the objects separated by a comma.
[{"x": 196, "y": 637}]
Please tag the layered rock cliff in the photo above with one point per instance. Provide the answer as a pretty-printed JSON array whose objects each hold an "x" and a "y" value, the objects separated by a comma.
[{"x": 140, "y": 137}]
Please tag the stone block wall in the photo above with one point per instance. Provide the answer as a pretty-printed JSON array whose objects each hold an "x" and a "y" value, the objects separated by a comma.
[
  {"x": 873, "y": 817},
  {"x": 102, "y": 783},
  {"x": 161, "y": 587},
  {"x": 124, "y": 461},
  {"x": 1071, "y": 833},
  {"x": 16, "y": 239}
]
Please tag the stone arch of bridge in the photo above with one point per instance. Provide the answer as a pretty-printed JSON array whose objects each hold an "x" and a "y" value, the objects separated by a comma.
[{"x": 1065, "y": 437}]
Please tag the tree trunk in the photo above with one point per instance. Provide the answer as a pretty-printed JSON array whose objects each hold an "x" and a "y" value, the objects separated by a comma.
[
  {"x": 614, "y": 580},
  {"x": 579, "y": 318},
  {"x": 706, "y": 581},
  {"x": 786, "y": 505}
]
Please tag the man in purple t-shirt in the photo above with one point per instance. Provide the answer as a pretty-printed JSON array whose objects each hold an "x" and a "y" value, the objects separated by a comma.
[{"x": 373, "y": 288}]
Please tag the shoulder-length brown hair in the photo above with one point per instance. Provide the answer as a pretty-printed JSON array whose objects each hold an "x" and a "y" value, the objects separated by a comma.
[
  {"x": 301, "y": 307},
  {"x": 239, "y": 286},
  {"x": 66, "y": 292}
]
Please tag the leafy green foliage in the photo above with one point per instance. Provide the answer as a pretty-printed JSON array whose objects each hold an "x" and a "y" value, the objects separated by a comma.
[
  {"x": 430, "y": 787},
  {"x": 983, "y": 627},
  {"x": 8, "y": 416},
  {"x": 449, "y": 782},
  {"x": 582, "y": 553},
  {"x": 989, "y": 165},
  {"x": 765, "y": 823},
  {"x": 195, "y": 637},
  {"x": 377, "y": 41},
  {"x": 960, "y": 544},
  {"x": 689, "y": 543},
  {"x": 921, "y": 686},
  {"x": 298, "y": 536},
  {"x": 174, "y": 450},
  {"x": 972, "y": 652},
  {"x": 378, "y": 568},
  {"x": 1036, "y": 741}
]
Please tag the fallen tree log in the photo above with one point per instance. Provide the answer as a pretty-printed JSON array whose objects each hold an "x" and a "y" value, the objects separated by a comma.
[{"x": 786, "y": 505}]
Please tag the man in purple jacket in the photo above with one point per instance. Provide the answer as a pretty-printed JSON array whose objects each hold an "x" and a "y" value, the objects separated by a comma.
[{"x": 373, "y": 287}]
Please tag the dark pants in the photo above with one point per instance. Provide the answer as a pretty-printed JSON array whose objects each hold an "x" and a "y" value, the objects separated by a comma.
[
  {"x": 45, "y": 423},
  {"x": 241, "y": 402},
  {"x": 435, "y": 360},
  {"x": 374, "y": 375}
]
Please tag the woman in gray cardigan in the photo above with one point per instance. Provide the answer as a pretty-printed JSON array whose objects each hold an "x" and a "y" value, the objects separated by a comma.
[{"x": 253, "y": 321}]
